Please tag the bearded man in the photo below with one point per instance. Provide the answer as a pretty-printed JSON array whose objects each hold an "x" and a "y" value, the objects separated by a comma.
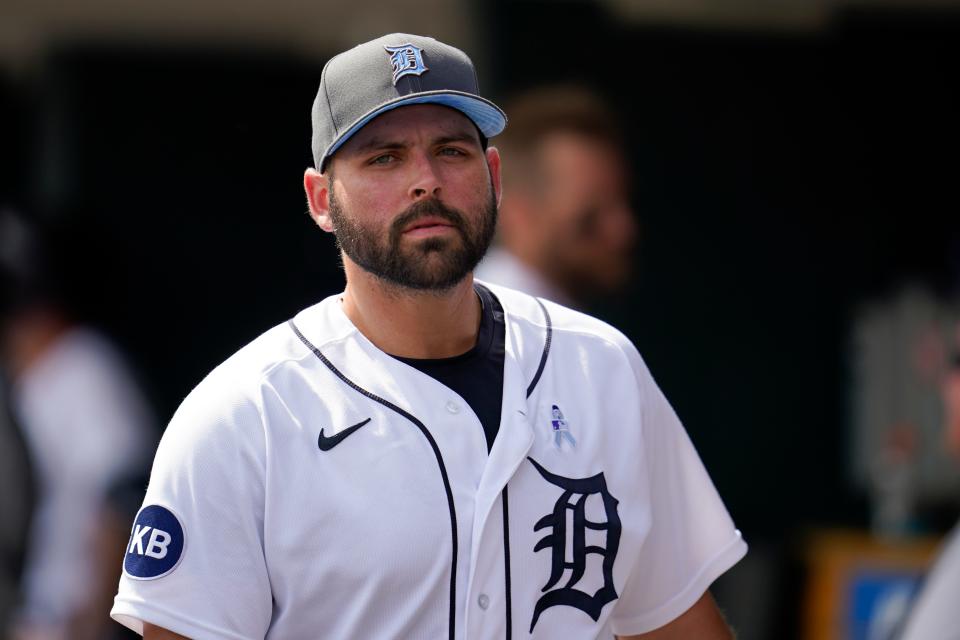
[{"x": 424, "y": 455}]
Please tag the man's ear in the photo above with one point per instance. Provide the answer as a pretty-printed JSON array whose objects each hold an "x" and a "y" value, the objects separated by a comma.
[
  {"x": 317, "y": 186},
  {"x": 493, "y": 163}
]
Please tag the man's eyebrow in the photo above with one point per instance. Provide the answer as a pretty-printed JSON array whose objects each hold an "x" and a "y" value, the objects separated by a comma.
[
  {"x": 457, "y": 137},
  {"x": 379, "y": 143}
]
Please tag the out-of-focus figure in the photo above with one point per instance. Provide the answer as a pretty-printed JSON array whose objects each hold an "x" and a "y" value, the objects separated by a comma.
[
  {"x": 902, "y": 348},
  {"x": 936, "y": 613},
  {"x": 16, "y": 501},
  {"x": 904, "y": 368},
  {"x": 88, "y": 433},
  {"x": 566, "y": 229}
]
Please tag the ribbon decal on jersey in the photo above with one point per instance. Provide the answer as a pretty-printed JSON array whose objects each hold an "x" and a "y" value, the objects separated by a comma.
[
  {"x": 561, "y": 430},
  {"x": 156, "y": 544},
  {"x": 576, "y": 492}
]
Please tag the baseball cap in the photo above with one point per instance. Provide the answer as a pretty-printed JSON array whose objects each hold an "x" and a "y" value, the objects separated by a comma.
[{"x": 392, "y": 71}]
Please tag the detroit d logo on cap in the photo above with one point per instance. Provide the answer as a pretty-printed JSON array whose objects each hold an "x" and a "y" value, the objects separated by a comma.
[{"x": 407, "y": 60}]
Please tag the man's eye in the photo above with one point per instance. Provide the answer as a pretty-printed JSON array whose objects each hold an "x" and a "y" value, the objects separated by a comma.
[
  {"x": 384, "y": 159},
  {"x": 451, "y": 151}
]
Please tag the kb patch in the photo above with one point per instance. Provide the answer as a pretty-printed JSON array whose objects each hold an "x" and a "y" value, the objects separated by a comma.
[{"x": 156, "y": 544}]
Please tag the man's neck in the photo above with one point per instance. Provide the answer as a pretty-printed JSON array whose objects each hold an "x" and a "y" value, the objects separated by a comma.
[{"x": 411, "y": 323}]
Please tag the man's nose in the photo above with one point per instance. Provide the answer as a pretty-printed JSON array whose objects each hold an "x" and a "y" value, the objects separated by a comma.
[{"x": 426, "y": 179}]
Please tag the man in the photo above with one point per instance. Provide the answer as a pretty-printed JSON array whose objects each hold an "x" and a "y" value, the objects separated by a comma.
[
  {"x": 424, "y": 456},
  {"x": 566, "y": 231}
]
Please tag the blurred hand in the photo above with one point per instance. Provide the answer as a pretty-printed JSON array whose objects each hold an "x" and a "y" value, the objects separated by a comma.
[{"x": 38, "y": 632}]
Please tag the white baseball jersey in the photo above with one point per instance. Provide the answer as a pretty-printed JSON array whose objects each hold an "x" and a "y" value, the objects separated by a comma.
[{"x": 314, "y": 487}]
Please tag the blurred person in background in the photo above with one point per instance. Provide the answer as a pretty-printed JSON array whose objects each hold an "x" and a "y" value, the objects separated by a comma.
[
  {"x": 566, "y": 229},
  {"x": 935, "y": 613},
  {"x": 901, "y": 345},
  {"x": 88, "y": 433},
  {"x": 16, "y": 500}
]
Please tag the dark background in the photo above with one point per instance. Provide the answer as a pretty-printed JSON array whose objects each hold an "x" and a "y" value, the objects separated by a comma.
[{"x": 780, "y": 179}]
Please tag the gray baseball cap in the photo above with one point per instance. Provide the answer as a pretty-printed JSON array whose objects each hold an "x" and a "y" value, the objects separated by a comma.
[{"x": 395, "y": 70}]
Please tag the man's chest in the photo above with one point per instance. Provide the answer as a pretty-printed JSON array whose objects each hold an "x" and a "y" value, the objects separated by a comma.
[{"x": 370, "y": 507}]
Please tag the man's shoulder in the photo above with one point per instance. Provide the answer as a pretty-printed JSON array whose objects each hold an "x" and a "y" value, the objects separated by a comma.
[
  {"x": 237, "y": 381},
  {"x": 542, "y": 313}
]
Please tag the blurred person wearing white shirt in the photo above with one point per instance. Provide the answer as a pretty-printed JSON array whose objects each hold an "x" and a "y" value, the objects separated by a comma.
[{"x": 87, "y": 430}]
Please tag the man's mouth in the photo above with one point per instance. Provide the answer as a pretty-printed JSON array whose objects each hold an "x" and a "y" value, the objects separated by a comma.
[{"x": 427, "y": 225}]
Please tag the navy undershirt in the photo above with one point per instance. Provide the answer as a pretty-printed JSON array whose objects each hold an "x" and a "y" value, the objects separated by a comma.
[{"x": 476, "y": 375}]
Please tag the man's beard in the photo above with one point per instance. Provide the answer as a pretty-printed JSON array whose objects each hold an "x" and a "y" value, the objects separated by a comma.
[{"x": 431, "y": 264}]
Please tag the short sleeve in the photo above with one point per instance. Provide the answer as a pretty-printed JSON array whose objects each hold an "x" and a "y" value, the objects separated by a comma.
[
  {"x": 692, "y": 539},
  {"x": 194, "y": 563}
]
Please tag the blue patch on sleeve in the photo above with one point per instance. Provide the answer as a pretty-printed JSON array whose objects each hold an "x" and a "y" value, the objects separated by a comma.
[{"x": 156, "y": 544}]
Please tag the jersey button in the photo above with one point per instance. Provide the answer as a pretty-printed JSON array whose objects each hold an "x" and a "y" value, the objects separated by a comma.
[
  {"x": 453, "y": 407},
  {"x": 483, "y": 601}
]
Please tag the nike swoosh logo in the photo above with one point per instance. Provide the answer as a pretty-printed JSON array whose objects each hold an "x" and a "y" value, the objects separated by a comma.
[{"x": 326, "y": 443}]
